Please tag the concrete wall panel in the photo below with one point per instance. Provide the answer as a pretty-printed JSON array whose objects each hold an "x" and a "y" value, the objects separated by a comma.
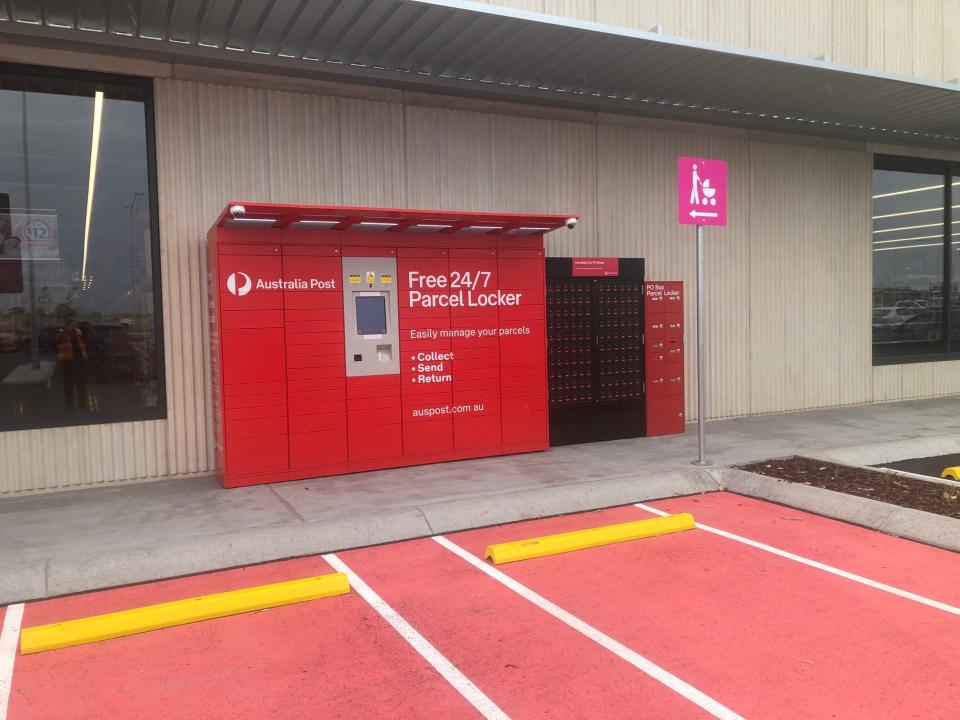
[
  {"x": 371, "y": 150},
  {"x": 180, "y": 178},
  {"x": 912, "y": 37},
  {"x": 927, "y": 40},
  {"x": 571, "y": 185},
  {"x": 639, "y": 15},
  {"x": 303, "y": 138},
  {"x": 948, "y": 40},
  {"x": 849, "y": 32},
  {"x": 443, "y": 171},
  {"x": 801, "y": 29},
  {"x": 579, "y": 9}
]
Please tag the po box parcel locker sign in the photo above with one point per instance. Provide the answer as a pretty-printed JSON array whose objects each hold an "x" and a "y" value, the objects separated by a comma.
[{"x": 342, "y": 351}]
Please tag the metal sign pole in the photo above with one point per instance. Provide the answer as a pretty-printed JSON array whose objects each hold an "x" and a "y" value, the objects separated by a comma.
[
  {"x": 701, "y": 200},
  {"x": 701, "y": 379}
]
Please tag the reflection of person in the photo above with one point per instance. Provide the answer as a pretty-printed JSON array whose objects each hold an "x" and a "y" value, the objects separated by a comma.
[
  {"x": 72, "y": 355},
  {"x": 6, "y": 222},
  {"x": 11, "y": 271}
]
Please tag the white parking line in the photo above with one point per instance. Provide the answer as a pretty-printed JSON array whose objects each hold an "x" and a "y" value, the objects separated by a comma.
[
  {"x": 9, "y": 637},
  {"x": 906, "y": 594},
  {"x": 460, "y": 682},
  {"x": 622, "y": 651}
]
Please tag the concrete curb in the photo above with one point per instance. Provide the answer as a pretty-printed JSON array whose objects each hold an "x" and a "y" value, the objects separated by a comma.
[
  {"x": 23, "y": 581},
  {"x": 895, "y": 473},
  {"x": 928, "y": 528},
  {"x": 880, "y": 453},
  {"x": 66, "y": 575},
  {"x": 217, "y": 552}
]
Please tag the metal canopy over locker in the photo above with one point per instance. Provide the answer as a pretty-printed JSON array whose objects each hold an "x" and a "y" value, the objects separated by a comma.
[{"x": 350, "y": 339}]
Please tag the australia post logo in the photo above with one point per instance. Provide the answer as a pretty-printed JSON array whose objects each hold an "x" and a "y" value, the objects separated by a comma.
[{"x": 239, "y": 284}]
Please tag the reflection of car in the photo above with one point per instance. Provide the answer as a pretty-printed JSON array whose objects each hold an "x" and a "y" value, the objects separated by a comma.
[
  {"x": 900, "y": 308},
  {"x": 10, "y": 340},
  {"x": 884, "y": 323},
  {"x": 898, "y": 312},
  {"x": 13, "y": 338},
  {"x": 919, "y": 326},
  {"x": 894, "y": 316}
]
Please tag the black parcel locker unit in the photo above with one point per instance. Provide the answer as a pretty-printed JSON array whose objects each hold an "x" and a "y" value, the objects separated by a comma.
[{"x": 595, "y": 355}]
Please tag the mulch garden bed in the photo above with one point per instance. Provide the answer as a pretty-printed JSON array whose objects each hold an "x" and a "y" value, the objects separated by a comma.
[{"x": 917, "y": 494}]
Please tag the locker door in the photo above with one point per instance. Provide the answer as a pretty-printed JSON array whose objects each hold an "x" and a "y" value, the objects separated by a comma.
[
  {"x": 523, "y": 344},
  {"x": 316, "y": 388},
  {"x": 426, "y": 363}
]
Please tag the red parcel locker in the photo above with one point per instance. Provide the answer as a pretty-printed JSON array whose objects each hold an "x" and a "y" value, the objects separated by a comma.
[
  {"x": 663, "y": 355},
  {"x": 353, "y": 339}
]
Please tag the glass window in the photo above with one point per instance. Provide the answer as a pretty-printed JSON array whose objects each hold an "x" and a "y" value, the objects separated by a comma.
[
  {"x": 80, "y": 338},
  {"x": 908, "y": 212},
  {"x": 911, "y": 269}
]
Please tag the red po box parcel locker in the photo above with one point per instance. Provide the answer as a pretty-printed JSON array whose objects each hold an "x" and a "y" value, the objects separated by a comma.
[
  {"x": 663, "y": 355},
  {"x": 353, "y": 339}
]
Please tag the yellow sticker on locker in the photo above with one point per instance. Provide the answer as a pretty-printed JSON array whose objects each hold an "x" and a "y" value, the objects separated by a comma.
[
  {"x": 371, "y": 276},
  {"x": 354, "y": 279}
]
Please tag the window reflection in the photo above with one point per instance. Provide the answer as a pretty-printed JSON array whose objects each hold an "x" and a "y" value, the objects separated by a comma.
[
  {"x": 908, "y": 263},
  {"x": 79, "y": 336}
]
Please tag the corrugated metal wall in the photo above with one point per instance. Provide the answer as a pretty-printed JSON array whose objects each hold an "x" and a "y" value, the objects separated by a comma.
[
  {"x": 909, "y": 37},
  {"x": 789, "y": 278}
]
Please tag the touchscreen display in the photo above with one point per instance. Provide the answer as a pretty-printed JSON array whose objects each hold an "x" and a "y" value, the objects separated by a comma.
[{"x": 371, "y": 314}]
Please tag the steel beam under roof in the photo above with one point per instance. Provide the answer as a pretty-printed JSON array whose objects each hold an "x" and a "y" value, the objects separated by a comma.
[{"x": 478, "y": 50}]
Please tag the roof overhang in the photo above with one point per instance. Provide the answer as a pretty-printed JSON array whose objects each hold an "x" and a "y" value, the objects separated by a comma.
[
  {"x": 365, "y": 219},
  {"x": 478, "y": 50}
]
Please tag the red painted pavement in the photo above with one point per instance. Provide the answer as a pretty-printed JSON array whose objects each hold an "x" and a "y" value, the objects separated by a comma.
[
  {"x": 330, "y": 658},
  {"x": 911, "y": 566},
  {"x": 529, "y": 663},
  {"x": 766, "y": 636}
]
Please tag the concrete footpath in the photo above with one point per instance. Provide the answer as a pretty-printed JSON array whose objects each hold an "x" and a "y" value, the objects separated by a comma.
[{"x": 86, "y": 539}]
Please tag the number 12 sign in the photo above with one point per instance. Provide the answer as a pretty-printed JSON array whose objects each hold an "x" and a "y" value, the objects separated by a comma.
[{"x": 701, "y": 191}]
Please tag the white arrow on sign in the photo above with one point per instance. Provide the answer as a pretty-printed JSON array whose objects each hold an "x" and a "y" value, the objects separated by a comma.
[{"x": 697, "y": 213}]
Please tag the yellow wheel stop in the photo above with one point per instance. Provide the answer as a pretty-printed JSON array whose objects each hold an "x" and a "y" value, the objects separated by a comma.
[
  {"x": 594, "y": 537},
  {"x": 179, "y": 612}
]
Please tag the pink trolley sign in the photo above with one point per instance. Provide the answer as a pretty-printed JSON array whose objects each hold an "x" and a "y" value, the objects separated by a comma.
[{"x": 701, "y": 191}]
